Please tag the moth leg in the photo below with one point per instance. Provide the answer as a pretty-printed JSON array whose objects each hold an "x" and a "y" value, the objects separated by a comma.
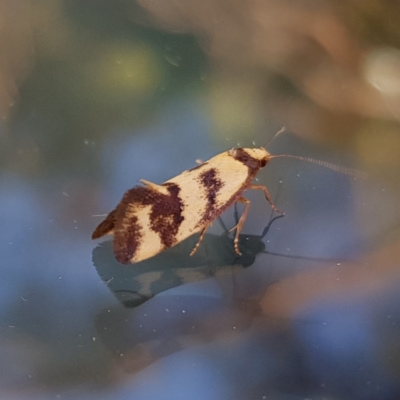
[
  {"x": 203, "y": 231},
  {"x": 267, "y": 196},
  {"x": 240, "y": 224}
]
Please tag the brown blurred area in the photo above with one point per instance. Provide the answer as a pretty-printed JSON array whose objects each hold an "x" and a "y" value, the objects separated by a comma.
[
  {"x": 16, "y": 48},
  {"x": 327, "y": 70},
  {"x": 371, "y": 276}
]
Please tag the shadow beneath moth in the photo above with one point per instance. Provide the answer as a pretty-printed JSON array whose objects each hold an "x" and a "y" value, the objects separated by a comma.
[{"x": 215, "y": 258}]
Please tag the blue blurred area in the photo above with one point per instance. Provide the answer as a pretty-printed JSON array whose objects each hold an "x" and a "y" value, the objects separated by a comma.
[
  {"x": 161, "y": 150},
  {"x": 54, "y": 302}
]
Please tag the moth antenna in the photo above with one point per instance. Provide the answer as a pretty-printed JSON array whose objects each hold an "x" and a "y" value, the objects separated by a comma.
[
  {"x": 355, "y": 173},
  {"x": 276, "y": 135}
]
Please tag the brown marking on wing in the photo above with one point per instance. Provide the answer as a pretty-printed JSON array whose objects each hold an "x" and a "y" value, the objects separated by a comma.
[
  {"x": 252, "y": 163},
  {"x": 165, "y": 218},
  {"x": 128, "y": 232},
  {"x": 105, "y": 227},
  {"x": 212, "y": 184},
  {"x": 214, "y": 210},
  {"x": 166, "y": 214},
  {"x": 128, "y": 239}
]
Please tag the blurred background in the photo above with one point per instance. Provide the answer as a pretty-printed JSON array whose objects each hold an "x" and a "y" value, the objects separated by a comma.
[{"x": 95, "y": 95}]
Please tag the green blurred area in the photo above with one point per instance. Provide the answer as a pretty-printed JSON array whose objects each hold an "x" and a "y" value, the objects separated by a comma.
[{"x": 97, "y": 73}]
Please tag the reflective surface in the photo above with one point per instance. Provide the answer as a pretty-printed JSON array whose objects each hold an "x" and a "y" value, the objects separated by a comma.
[{"x": 95, "y": 96}]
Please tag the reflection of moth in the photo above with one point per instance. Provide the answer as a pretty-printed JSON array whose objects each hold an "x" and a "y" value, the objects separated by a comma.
[
  {"x": 152, "y": 218},
  {"x": 215, "y": 258}
]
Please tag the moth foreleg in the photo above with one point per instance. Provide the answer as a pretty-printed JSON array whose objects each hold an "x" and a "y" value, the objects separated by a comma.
[
  {"x": 203, "y": 231},
  {"x": 267, "y": 196}
]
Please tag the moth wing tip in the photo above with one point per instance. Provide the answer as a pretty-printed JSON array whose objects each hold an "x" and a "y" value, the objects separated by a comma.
[
  {"x": 96, "y": 235},
  {"x": 99, "y": 232},
  {"x": 106, "y": 227}
]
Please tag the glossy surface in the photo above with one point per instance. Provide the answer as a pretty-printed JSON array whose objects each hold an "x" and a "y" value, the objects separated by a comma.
[{"x": 98, "y": 96}]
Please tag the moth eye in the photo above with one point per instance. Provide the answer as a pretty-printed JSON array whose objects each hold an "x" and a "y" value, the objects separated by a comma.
[{"x": 263, "y": 162}]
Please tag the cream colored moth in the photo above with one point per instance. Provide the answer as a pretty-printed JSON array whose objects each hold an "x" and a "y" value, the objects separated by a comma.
[{"x": 153, "y": 217}]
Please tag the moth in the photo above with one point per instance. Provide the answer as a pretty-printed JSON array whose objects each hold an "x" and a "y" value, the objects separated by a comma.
[{"x": 155, "y": 217}]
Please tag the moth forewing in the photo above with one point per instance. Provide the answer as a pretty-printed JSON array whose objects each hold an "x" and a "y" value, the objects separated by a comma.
[
  {"x": 155, "y": 217},
  {"x": 148, "y": 247},
  {"x": 207, "y": 191}
]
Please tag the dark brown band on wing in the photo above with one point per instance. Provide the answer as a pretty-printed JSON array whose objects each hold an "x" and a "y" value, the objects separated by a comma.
[
  {"x": 240, "y": 155},
  {"x": 165, "y": 219},
  {"x": 212, "y": 185},
  {"x": 127, "y": 239},
  {"x": 166, "y": 214},
  {"x": 128, "y": 233}
]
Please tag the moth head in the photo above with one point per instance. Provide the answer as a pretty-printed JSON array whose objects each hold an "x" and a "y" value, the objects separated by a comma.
[{"x": 260, "y": 154}]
